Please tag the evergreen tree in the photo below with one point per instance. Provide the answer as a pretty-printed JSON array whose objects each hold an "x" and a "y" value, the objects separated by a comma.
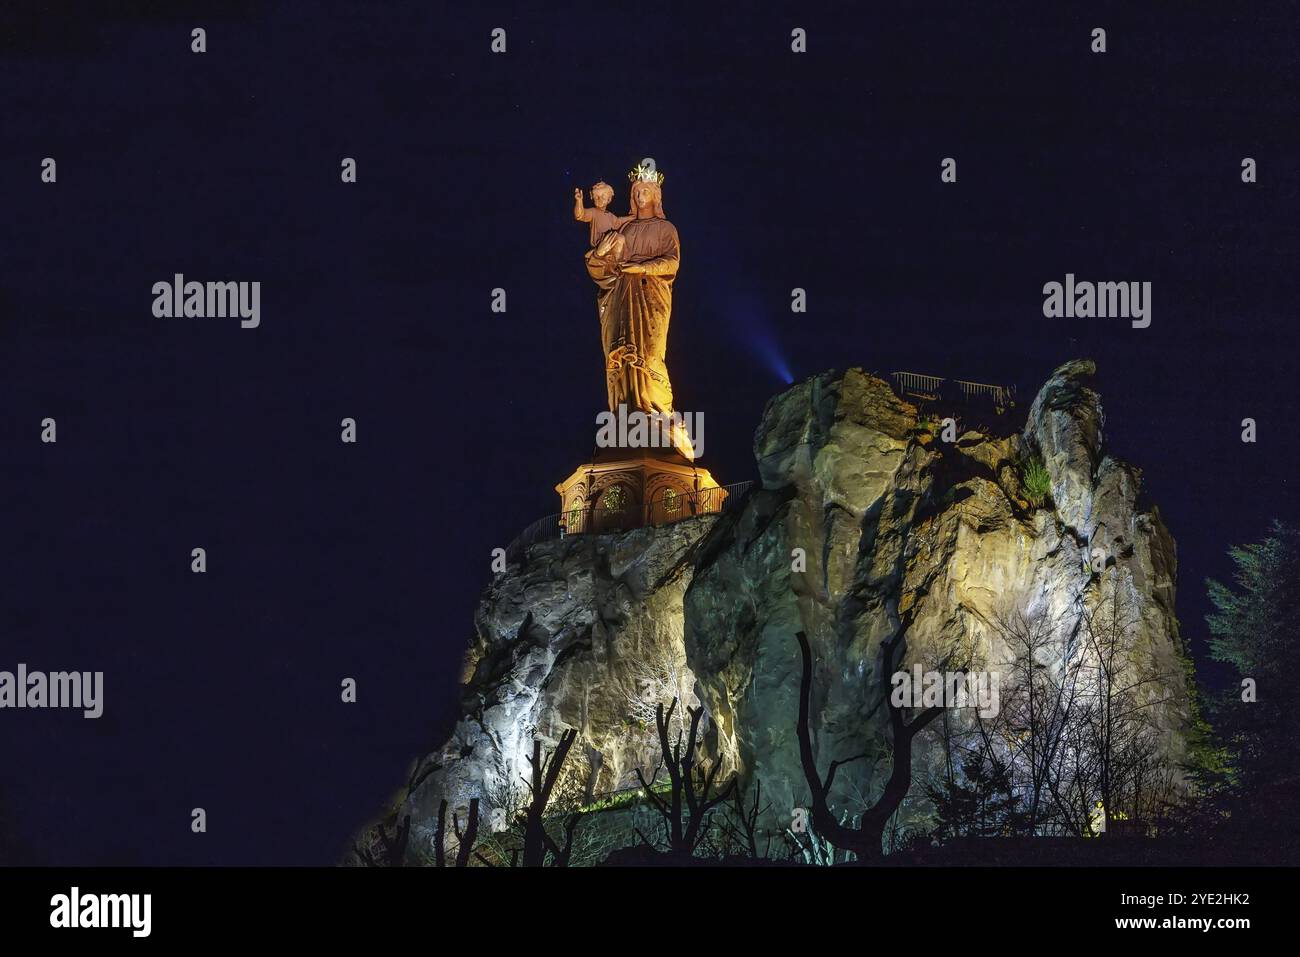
[
  {"x": 1254, "y": 629},
  {"x": 980, "y": 803}
]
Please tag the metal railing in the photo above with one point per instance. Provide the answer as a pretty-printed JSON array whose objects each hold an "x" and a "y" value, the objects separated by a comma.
[
  {"x": 916, "y": 383},
  {"x": 933, "y": 388},
  {"x": 608, "y": 521}
]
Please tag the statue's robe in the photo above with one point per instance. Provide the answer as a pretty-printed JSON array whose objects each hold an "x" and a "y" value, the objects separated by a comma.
[
  {"x": 602, "y": 221},
  {"x": 634, "y": 312}
]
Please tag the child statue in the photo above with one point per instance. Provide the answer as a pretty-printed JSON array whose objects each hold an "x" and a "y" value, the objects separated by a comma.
[{"x": 600, "y": 218}]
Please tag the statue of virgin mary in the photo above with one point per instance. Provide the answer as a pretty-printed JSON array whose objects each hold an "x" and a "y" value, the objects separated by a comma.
[{"x": 634, "y": 267}]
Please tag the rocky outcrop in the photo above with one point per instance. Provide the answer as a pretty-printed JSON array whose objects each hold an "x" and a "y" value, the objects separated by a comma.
[
  {"x": 868, "y": 525},
  {"x": 584, "y": 633}
]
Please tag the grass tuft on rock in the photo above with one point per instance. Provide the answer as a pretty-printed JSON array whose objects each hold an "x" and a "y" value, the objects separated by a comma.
[{"x": 1035, "y": 482}]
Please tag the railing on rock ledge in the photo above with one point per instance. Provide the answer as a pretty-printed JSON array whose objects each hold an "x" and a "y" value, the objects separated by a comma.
[
  {"x": 608, "y": 521},
  {"x": 934, "y": 388}
]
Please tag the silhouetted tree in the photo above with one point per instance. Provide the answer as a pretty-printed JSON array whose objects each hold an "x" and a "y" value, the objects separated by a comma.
[
  {"x": 687, "y": 811},
  {"x": 1039, "y": 714},
  {"x": 979, "y": 803},
  {"x": 545, "y": 773},
  {"x": 739, "y": 823},
  {"x": 865, "y": 840},
  {"x": 1122, "y": 690},
  {"x": 440, "y": 836},
  {"x": 394, "y": 847},
  {"x": 465, "y": 839}
]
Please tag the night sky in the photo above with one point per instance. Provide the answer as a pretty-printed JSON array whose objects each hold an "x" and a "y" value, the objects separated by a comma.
[{"x": 818, "y": 171}]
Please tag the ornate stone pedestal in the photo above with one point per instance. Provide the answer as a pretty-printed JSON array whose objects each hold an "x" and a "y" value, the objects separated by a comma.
[{"x": 629, "y": 488}]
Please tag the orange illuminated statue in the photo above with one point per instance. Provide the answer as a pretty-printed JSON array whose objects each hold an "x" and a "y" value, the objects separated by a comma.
[
  {"x": 633, "y": 267},
  {"x": 630, "y": 482}
]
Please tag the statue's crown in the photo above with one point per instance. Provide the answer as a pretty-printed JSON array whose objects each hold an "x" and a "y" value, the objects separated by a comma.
[{"x": 645, "y": 173}]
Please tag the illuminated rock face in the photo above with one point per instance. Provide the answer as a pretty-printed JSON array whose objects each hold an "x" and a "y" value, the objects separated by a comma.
[
  {"x": 585, "y": 633},
  {"x": 898, "y": 529},
  {"x": 902, "y": 531}
]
